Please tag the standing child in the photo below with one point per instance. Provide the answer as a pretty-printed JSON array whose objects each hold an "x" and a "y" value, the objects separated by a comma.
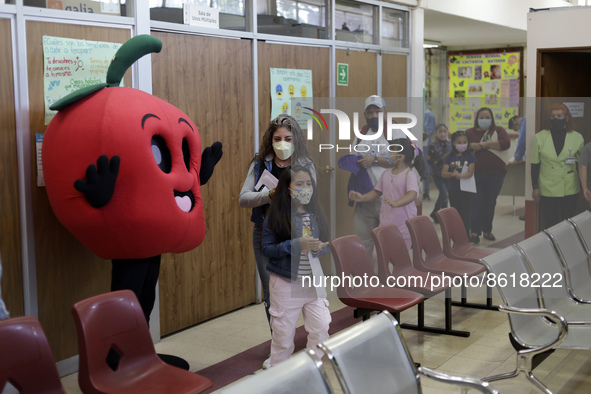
[
  {"x": 400, "y": 187},
  {"x": 438, "y": 151},
  {"x": 292, "y": 232},
  {"x": 461, "y": 156}
]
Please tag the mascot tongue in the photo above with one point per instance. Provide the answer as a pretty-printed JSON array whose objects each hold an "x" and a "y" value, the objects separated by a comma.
[{"x": 184, "y": 203}]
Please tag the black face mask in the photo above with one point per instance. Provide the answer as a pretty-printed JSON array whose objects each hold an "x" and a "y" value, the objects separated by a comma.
[
  {"x": 557, "y": 124},
  {"x": 373, "y": 123}
]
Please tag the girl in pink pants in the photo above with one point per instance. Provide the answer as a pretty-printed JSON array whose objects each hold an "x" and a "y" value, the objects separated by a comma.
[{"x": 292, "y": 234}]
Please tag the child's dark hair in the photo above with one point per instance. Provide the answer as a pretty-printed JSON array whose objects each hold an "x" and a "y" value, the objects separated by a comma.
[
  {"x": 281, "y": 208},
  {"x": 455, "y": 136},
  {"x": 408, "y": 150},
  {"x": 440, "y": 125}
]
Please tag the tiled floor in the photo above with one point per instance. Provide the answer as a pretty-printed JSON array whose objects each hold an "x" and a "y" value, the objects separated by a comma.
[{"x": 486, "y": 352}]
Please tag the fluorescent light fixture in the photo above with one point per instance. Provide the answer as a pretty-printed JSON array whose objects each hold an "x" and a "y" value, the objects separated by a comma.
[{"x": 431, "y": 44}]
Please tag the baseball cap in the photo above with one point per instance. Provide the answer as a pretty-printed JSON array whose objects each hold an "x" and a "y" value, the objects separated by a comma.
[{"x": 375, "y": 100}]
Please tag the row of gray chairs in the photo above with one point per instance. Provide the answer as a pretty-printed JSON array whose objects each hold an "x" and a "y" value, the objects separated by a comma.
[
  {"x": 545, "y": 283},
  {"x": 370, "y": 357}
]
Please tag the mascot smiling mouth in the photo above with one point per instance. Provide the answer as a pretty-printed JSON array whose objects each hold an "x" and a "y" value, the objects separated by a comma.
[{"x": 185, "y": 200}]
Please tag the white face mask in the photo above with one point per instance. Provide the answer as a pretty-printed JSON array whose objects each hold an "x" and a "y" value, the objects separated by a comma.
[
  {"x": 484, "y": 124},
  {"x": 283, "y": 149}
]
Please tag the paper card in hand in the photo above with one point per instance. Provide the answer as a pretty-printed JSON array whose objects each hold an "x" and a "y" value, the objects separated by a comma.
[{"x": 267, "y": 179}]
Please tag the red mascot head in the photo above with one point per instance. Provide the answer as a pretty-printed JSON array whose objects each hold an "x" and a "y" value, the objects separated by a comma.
[{"x": 122, "y": 167}]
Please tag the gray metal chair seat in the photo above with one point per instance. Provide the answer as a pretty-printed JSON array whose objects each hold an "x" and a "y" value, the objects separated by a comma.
[
  {"x": 372, "y": 357},
  {"x": 546, "y": 271},
  {"x": 301, "y": 373},
  {"x": 536, "y": 330}
]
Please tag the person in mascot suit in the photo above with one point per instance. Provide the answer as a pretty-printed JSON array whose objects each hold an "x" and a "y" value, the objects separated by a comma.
[{"x": 123, "y": 172}]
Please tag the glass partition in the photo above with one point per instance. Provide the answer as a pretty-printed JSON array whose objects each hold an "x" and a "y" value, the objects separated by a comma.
[
  {"x": 354, "y": 21},
  {"x": 394, "y": 28},
  {"x": 231, "y": 13},
  {"x": 292, "y": 17}
]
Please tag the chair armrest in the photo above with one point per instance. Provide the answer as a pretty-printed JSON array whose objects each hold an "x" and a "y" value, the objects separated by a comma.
[
  {"x": 472, "y": 383},
  {"x": 550, "y": 315}
]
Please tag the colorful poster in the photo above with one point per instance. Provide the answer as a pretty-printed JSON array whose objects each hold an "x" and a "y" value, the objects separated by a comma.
[
  {"x": 288, "y": 84},
  {"x": 483, "y": 80},
  {"x": 69, "y": 65}
]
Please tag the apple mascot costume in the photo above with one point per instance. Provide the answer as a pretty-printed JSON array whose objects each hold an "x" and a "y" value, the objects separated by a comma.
[{"x": 123, "y": 172}]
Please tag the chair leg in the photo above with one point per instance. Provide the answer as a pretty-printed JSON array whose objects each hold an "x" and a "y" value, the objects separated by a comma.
[
  {"x": 464, "y": 302},
  {"x": 362, "y": 312},
  {"x": 523, "y": 372},
  {"x": 436, "y": 330}
]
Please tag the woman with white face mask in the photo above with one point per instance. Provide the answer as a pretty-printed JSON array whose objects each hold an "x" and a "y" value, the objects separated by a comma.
[
  {"x": 282, "y": 145},
  {"x": 487, "y": 140}
]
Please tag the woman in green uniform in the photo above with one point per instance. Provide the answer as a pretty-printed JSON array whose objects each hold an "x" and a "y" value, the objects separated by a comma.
[{"x": 554, "y": 157}]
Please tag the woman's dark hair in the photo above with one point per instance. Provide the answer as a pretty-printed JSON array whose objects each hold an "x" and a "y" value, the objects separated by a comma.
[
  {"x": 493, "y": 125},
  {"x": 297, "y": 139},
  {"x": 455, "y": 136},
  {"x": 408, "y": 150},
  {"x": 282, "y": 209}
]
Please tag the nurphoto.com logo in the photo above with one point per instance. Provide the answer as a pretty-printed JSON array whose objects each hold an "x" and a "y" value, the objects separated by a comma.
[{"x": 393, "y": 130}]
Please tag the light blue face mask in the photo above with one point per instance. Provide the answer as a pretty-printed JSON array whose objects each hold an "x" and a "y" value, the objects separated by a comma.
[{"x": 484, "y": 124}]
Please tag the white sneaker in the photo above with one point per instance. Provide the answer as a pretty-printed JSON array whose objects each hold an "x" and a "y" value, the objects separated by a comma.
[{"x": 267, "y": 363}]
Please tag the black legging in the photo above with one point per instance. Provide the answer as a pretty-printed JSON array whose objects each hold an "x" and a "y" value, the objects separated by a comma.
[
  {"x": 462, "y": 202},
  {"x": 139, "y": 276}
]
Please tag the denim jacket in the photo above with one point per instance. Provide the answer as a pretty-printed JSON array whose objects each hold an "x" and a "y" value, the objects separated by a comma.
[{"x": 284, "y": 256}]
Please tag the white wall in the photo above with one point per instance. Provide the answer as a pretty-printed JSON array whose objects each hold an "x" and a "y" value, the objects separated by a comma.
[
  {"x": 558, "y": 28},
  {"x": 510, "y": 13}
]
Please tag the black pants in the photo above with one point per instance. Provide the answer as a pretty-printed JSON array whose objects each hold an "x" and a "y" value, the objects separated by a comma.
[
  {"x": 556, "y": 209},
  {"x": 139, "y": 276},
  {"x": 462, "y": 202}
]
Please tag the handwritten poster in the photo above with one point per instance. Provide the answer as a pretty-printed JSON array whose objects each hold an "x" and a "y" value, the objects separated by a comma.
[
  {"x": 483, "y": 80},
  {"x": 69, "y": 65},
  {"x": 286, "y": 86}
]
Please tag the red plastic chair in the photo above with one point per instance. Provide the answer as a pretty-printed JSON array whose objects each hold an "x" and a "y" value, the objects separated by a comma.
[
  {"x": 25, "y": 358},
  {"x": 115, "y": 322},
  {"x": 425, "y": 240},
  {"x": 351, "y": 260},
  {"x": 454, "y": 238},
  {"x": 457, "y": 246},
  {"x": 394, "y": 261}
]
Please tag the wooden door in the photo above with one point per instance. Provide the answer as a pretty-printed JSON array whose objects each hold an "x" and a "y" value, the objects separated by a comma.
[
  {"x": 394, "y": 75},
  {"x": 210, "y": 79},
  {"x": 363, "y": 82},
  {"x": 307, "y": 58},
  {"x": 10, "y": 240},
  {"x": 67, "y": 271},
  {"x": 563, "y": 76}
]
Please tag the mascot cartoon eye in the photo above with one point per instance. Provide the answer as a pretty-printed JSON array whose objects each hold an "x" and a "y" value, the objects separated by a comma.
[
  {"x": 186, "y": 154},
  {"x": 161, "y": 154}
]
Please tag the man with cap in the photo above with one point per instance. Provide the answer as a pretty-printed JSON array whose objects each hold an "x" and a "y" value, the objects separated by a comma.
[{"x": 374, "y": 159}]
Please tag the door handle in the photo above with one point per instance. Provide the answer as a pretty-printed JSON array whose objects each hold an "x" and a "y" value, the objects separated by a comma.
[{"x": 328, "y": 169}]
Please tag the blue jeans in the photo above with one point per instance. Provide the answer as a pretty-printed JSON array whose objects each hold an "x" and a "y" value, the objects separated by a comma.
[
  {"x": 488, "y": 187},
  {"x": 441, "y": 184},
  {"x": 257, "y": 235}
]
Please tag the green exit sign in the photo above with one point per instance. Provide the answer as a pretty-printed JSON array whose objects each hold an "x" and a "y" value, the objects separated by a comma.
[{"x": 342, "y": 74}]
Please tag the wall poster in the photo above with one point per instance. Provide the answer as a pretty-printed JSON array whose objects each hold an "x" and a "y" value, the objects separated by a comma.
[{"x": 479, "y": 80}]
